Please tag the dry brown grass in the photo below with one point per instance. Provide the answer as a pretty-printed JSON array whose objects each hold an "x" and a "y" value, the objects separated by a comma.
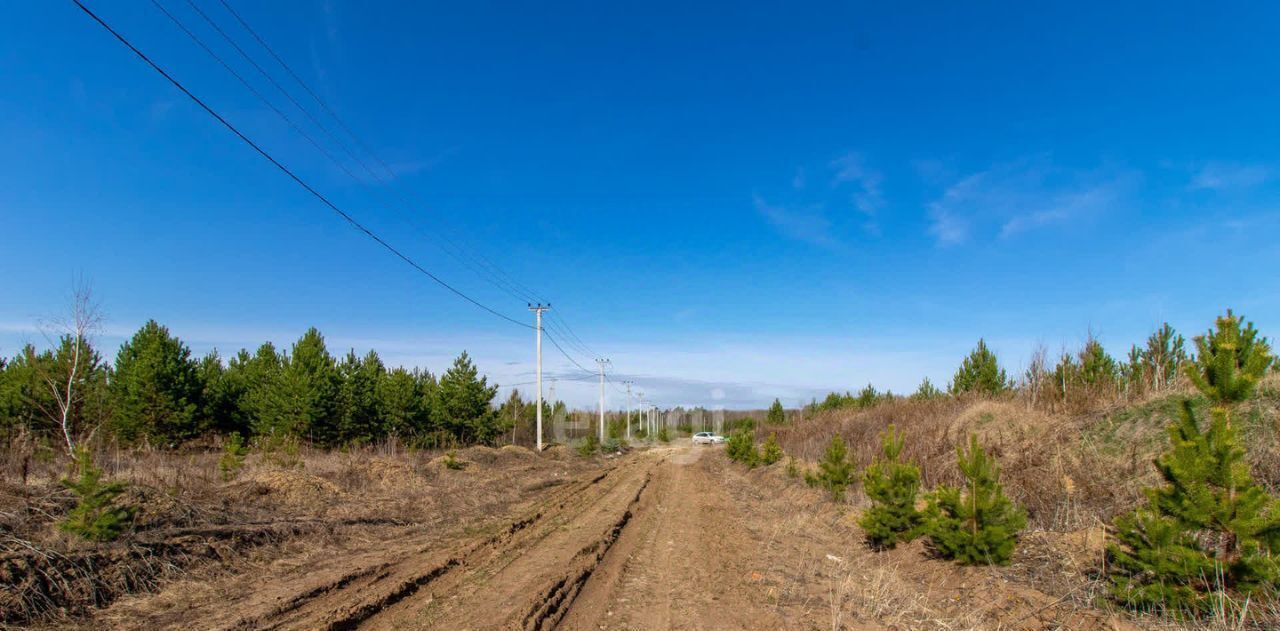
[
  {"x": 1069, "y": 471},
  {"x": 1073, "y": 472},
  {"x": 190, "y": 515}
]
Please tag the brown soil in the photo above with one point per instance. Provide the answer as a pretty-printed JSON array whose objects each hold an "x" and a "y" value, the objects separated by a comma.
[{"x": 673, "y": 538}]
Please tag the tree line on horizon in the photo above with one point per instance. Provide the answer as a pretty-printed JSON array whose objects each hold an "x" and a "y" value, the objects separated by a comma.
[
  {"x": 157, "y": 392},
  {"x": 1075, "y": 382}
]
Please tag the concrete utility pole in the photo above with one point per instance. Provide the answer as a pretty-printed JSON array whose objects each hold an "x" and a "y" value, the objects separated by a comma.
[
  {"x": 628, "y": 384},
  {"x": 602, "y": 363},
  {"x": 538, "y": 309},
  {"x": 640, "y": 411}
]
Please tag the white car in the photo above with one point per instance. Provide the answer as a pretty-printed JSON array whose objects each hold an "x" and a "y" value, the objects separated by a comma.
[{"x": 707, "y": 438}]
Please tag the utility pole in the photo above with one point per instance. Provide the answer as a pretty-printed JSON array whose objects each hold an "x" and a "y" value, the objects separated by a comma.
[
  {"x": 628, "y": 384},
  {"x": 538, "y": 309},
  {"x": 640, "y": 411},
  {"x": 602, "y": 363}
]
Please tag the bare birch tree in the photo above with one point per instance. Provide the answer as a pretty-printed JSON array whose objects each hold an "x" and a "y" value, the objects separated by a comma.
[
  {"x": 1036, "y": 373},
  {"x": 79, "y": 326}
]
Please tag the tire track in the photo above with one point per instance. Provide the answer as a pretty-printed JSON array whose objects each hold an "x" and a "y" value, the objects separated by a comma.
[
  {"x": 378, "y": 581},
  {"x": 533, "y": 580}
]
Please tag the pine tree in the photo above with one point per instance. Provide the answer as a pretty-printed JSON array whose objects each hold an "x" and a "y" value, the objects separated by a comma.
[
  {"x": 309, "y": 386},
  {"x": 1065, "y": 375},
  {"x": 1098, "y": 370},
  {"x": 515, "y": 411},
  {"x": 926, "y": 391},
  {"x": 742, "y": 447},
  {"x": 24, "y": 394},
  {"x": 400, "y": 409},
  {"x": 90, "y": 402},
  {"x": 224, "y": 389},
  {"x": 156, "y": 388},
  {"x": 835, "y": 472},
  {"x": 358, "y": 420},
  {"x": 1133, "y": 373},
  {"x": 465, "y": 402},
  {"x": 835, "y": 401},
  {"x": 1230, "y": 361},
  {"x": 1210, "y": 527},
  {"x": 770, "y": 451},
  {"x": 1165, "y": 356},
  {"x": 260, "y": 373},
  {"x": 892, "y": 486},
  {"x": 980, "y": 373},
  {"x": 96, "y": 516},
  {"x": 663, "y": 436},
  {"x": 429, "y": 398},
  {"x": 233, "y": 453},
  {"x": 868, "y": 397},
  {"x": 977, "y": 525},
  {"x": 777, "y": 415}
]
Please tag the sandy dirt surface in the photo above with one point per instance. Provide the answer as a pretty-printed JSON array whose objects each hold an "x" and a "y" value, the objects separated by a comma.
[{"x": 671, "y": 538}]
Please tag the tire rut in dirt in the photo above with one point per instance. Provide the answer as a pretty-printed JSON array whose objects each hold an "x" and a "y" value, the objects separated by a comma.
[
  {"x": 555, "y": 603},
  {"x": 531, "y": 580},
  {"x": 350, "y": 599}
]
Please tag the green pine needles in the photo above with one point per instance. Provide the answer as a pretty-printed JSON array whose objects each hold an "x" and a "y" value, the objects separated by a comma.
[
  {"x": 1230, "y": 362},
  {"x": 1210, "y": 530},
  {"x": 777, "y": 415},
  {"x": 835, "y": 472},
  {"x": 233, "y": 453},
  {"x": 770, "y": 451},
  {"x": 589, "y": 445},
  {"x": 892, "y": 486},
  {"x": 742, "y": 447},
  {"x": 96, "y": 516},
  {"x": 664, "y": 436},
  {"x": 976, "y": 525},
  {"x": 980, "y": 372},
  {"x": 926, "y": 391}
]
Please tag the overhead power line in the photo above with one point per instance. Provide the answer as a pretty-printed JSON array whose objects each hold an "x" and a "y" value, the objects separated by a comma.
[
  {"x": 476, "y": 262},
  {"x": 489, "y": 272},
  {"x": 566, "y": 355},
  {"x": 448, "y": 245},
  {"x": 298, "y": 180}
]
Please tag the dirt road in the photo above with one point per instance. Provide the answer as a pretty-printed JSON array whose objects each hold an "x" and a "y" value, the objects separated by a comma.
[
  {"x": 672, "y": 538},
  {"x": 650, "y": 542}
]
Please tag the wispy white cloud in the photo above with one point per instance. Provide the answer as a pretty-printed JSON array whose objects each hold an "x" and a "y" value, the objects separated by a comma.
[
  {"x": 1220, "y": 176},
  {"x": 946, "y": 227},
  {"x": 806, "y": 224},
  {"x": 852, "y": 168},
  {"x": 1016, "y": 198},
  {"x": 819, "y": 213}
]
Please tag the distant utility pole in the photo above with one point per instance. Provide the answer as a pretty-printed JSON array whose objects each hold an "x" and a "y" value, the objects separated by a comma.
[
  {"x": 640, "y": 411},
  {"x": 538, "y": 309},
  {"x": 628, "y": 384},
  {"x": 602, "y": 363}
]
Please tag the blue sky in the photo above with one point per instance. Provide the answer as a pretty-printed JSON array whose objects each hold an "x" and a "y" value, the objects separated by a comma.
[{"x": 733, "y": 202}]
